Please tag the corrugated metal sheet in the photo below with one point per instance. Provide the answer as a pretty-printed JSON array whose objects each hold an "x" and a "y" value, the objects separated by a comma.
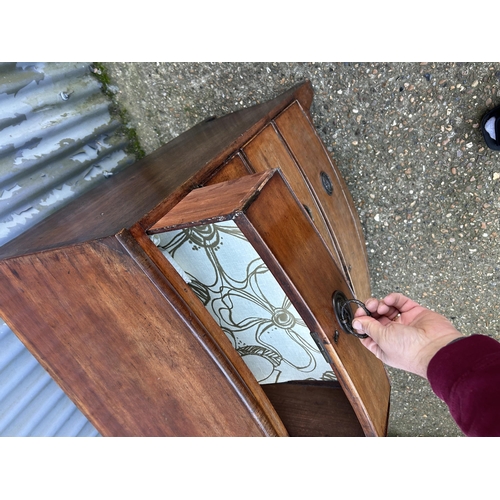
[{"x": 57, "y": 140}]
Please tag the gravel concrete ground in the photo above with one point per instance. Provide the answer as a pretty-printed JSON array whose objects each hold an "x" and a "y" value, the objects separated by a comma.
[{"x": 406, "y": 138}]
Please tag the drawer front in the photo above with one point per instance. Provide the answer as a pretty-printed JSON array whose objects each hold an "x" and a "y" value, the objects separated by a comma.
[
  {"x": 267, "y": 151},
  {"x": 331, "y": 193}
]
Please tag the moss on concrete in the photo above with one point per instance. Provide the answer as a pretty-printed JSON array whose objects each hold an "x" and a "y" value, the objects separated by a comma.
[{"x": 118, "y": 112}]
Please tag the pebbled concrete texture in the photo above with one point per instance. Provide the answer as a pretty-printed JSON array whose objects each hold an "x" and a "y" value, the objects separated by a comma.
[{"x": 406, "y": 138}]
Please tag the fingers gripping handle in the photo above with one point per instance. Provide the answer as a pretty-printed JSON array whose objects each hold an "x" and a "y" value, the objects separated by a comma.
[{"x": 344, "y": 314}]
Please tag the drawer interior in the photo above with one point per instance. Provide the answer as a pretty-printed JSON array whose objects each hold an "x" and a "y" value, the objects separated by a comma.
[{"x": 238, "y": 289}]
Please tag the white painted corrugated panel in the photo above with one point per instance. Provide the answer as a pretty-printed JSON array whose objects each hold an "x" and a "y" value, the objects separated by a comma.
[{"x": 57, "y": 140}]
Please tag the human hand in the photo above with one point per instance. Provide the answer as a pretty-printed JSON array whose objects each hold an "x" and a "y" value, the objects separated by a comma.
[{"x": 403, "y": 334}]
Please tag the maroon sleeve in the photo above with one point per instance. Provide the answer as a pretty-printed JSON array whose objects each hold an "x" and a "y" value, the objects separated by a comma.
[{"x": 466, "y": 376}]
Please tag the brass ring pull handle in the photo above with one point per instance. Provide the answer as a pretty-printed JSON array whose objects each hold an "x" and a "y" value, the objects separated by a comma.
[
  {"x": 344, "y": 314},
  {"x": 349, "y": 324}
]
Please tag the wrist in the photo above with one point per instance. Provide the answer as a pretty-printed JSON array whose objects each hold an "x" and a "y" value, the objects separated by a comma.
[{"x": 434, "y": 347}]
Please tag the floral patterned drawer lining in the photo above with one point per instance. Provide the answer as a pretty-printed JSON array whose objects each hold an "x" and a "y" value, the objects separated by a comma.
[{"x": 242, "y": 295}]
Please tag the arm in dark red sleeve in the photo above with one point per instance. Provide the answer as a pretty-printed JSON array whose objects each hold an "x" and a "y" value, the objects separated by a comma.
[{"x": 466, "y": 376}]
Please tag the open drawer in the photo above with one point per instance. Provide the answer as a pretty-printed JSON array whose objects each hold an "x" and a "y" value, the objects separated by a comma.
[{"x": 249, "y": 251}]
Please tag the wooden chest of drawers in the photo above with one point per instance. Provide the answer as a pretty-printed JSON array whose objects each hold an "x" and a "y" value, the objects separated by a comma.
[{"x": 98, "y": 291}]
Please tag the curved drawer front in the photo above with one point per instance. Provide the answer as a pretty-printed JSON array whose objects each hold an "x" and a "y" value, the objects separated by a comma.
[
  {"x": 266, "y": 151},
  {"x": 331, "y": 193}
]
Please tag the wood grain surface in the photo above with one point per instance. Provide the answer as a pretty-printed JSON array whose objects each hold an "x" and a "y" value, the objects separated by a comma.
[
  {"x": 314, "y": 408},
  {"x": 338, "y": 208},
  {"x": 128, "y": 353},
  {"x": 267, "y": 151}
]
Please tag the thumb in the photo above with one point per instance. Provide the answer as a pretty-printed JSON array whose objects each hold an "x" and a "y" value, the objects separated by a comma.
[{"x": 368, "y": 325}]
